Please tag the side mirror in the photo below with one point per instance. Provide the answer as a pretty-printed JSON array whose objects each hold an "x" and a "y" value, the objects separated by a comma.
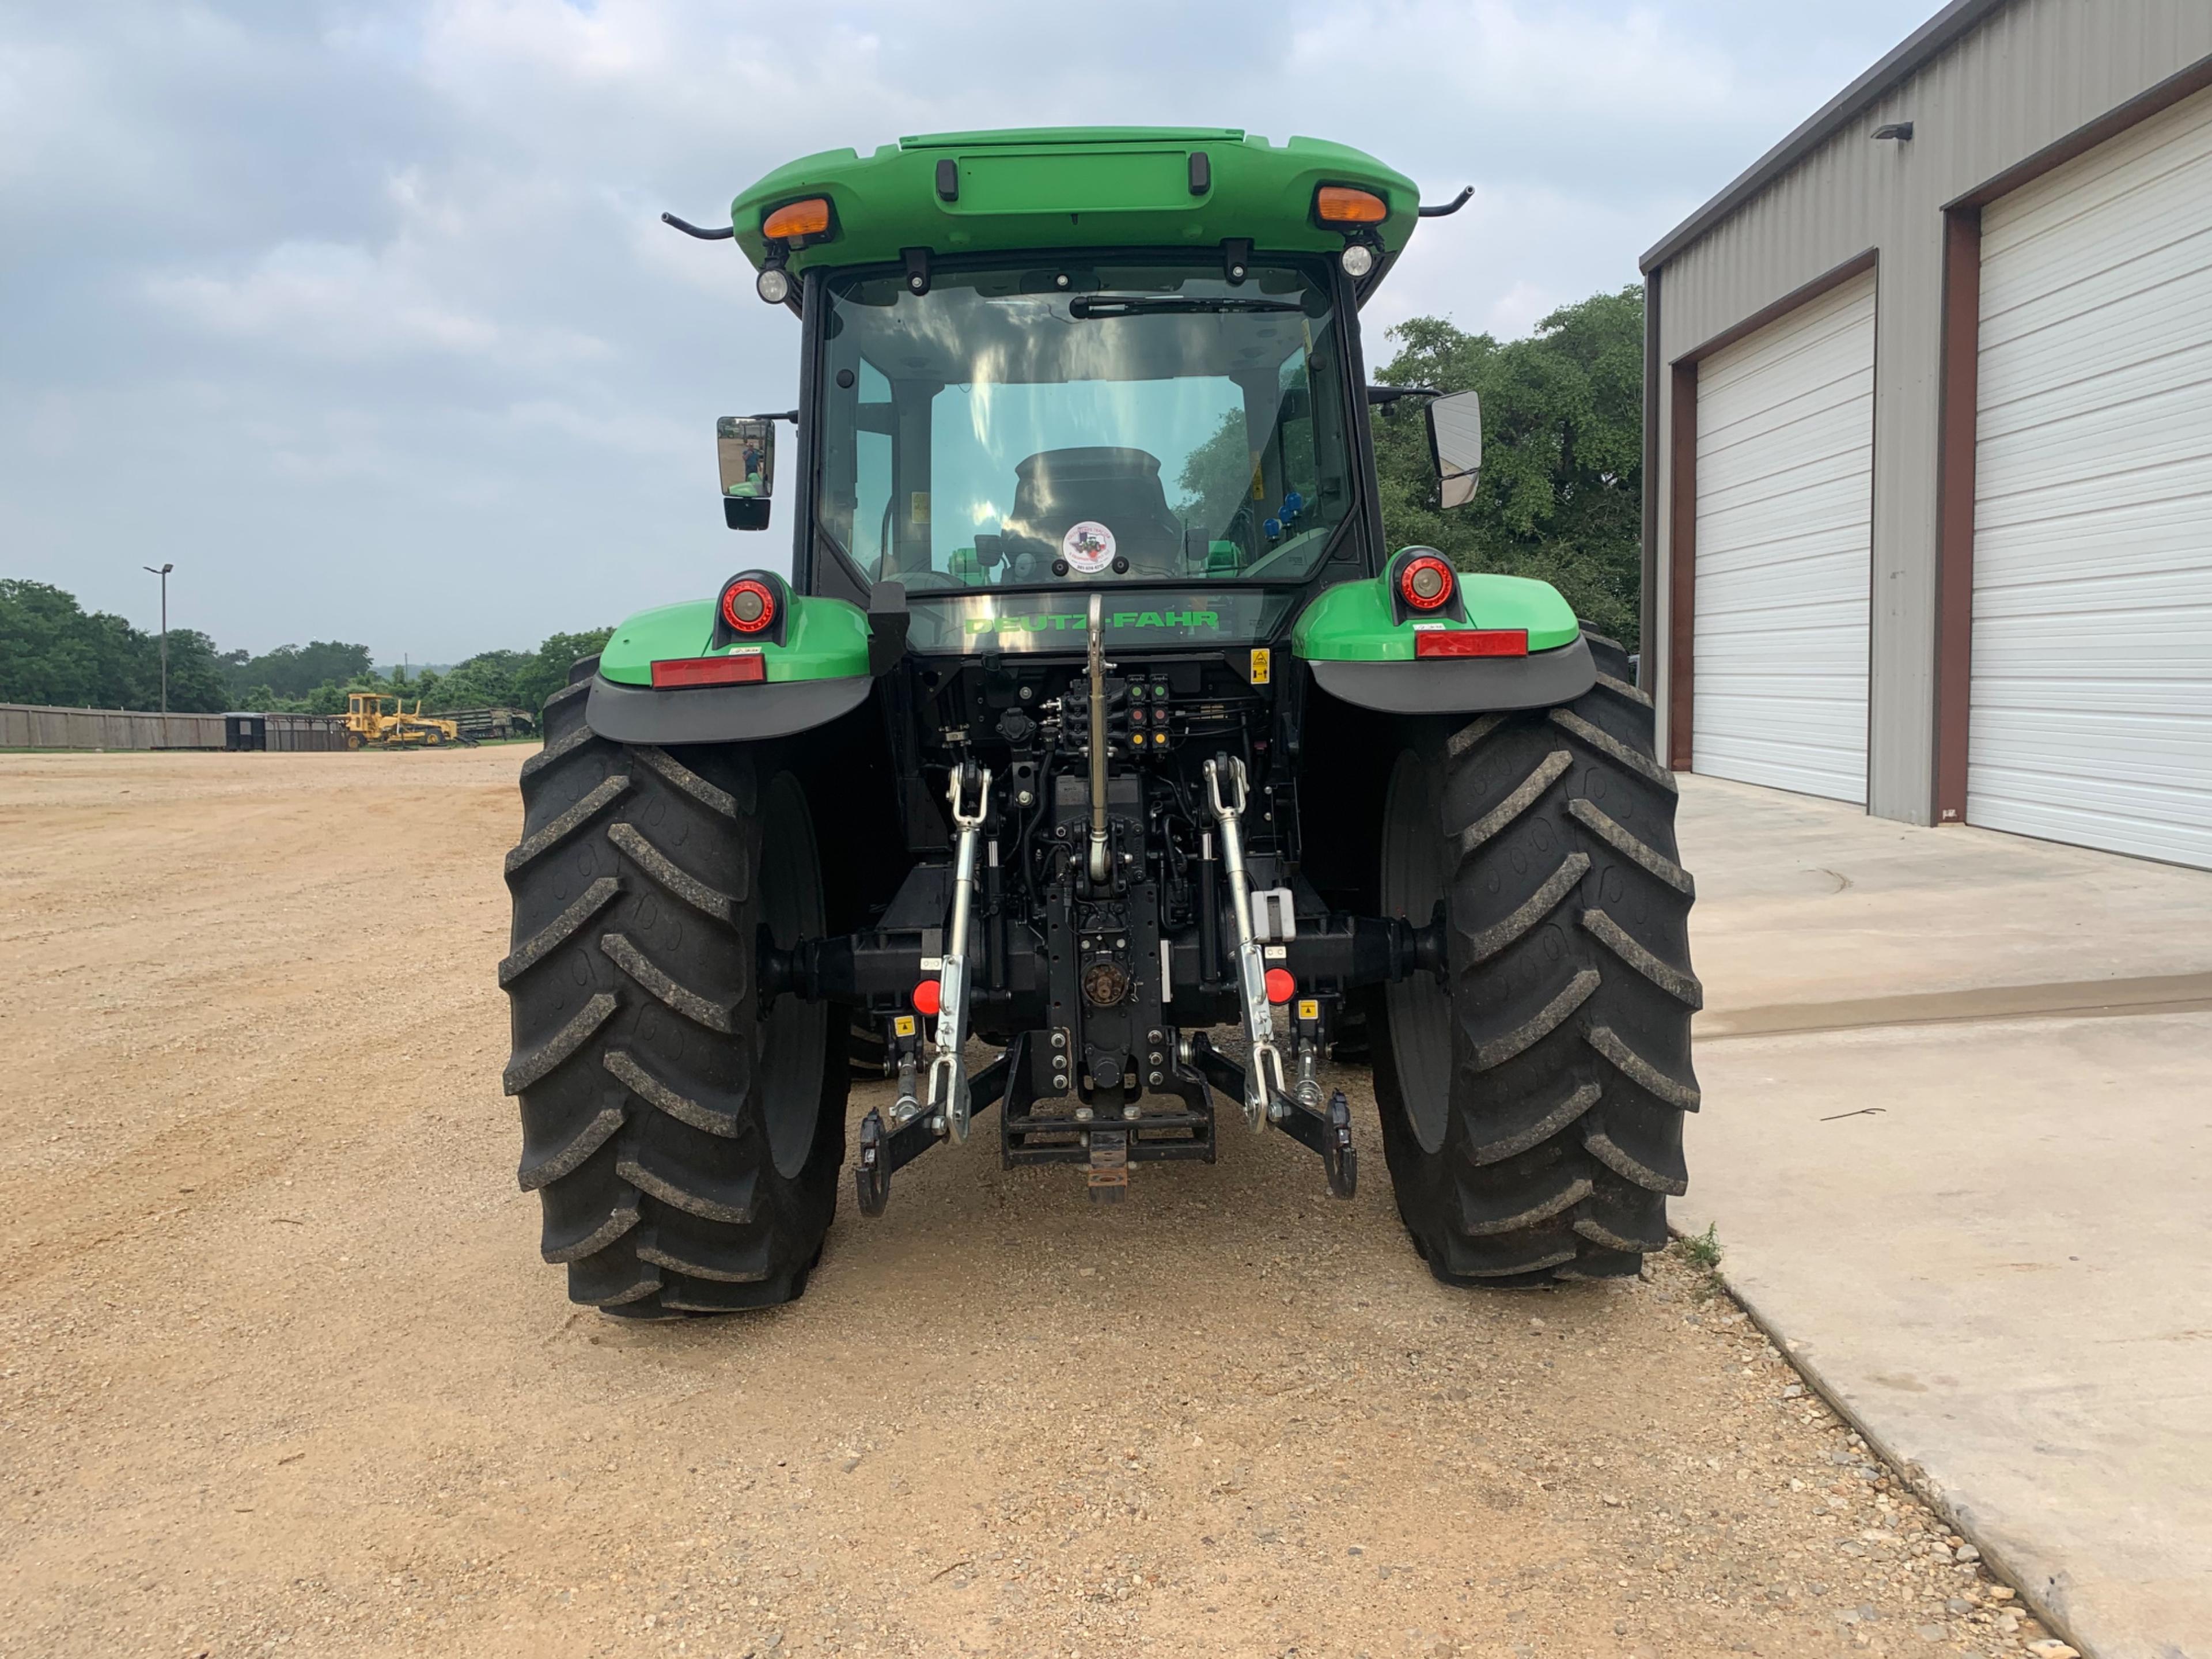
[
  {"x": 1456, "y": 446},
  {"x": 746, "y": 449}
]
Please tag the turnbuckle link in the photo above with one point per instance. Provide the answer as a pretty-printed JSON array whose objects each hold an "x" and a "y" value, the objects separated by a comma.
[
  {"x": 1233, "y": 767},
  {"x": 964, "y": 773}
]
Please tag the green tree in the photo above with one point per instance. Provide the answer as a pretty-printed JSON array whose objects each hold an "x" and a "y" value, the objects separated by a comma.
[
  {"x": 548, "y": 671},
  {"x": 293, "y": 670},
  {"x": 1217, "y": 477},
  {"x": 198, "y": 683},
  {"x": 487, "y": 680},
  {"x": 1562, "y": 454},
  {"x": 53, "y": 651}
]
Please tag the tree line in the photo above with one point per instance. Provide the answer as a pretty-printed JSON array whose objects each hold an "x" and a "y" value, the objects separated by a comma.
[
  {"x": 1561, "y": 496},
  {"x": 54, "y": 652},
  {"x": 1562, "y": 492},
  {"x": 1561, "y": 499}
]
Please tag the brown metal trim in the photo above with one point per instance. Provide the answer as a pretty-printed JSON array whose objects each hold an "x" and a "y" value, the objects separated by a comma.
[
  {"x": 1647, "y": 587},
  {"x": 2140, "y": 109},
  {"x": 1682, "y": 565},
  {"x": 1958, "y": 404},
  {"x": 1857, "y": 265}
]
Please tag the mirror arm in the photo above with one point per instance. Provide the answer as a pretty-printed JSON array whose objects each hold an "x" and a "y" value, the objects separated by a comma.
[
  {"x": 791, "y": 414},
  {"x": 689, "y": 229},
  {"x": 1445, "y": 211}
]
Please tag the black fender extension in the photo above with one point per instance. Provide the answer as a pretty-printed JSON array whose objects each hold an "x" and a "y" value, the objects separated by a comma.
[
  {"x": 719, "y": 713},
  {"x": 1462, "y": 685}
]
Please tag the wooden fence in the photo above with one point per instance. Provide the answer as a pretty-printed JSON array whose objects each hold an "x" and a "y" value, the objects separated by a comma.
[{"x": 23, "y": 726}]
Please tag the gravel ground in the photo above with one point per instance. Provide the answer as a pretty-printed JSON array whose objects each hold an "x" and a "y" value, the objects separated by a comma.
[{"x": 280, "y": 1371}]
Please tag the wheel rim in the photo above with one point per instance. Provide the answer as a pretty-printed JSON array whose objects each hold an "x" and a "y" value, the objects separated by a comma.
[
  {"x": 1419, "y": 1009},
  {"x": 793, "y": 1035}
]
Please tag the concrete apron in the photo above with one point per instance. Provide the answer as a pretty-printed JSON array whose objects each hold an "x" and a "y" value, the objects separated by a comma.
[{"x": 1956, "y": 1139}]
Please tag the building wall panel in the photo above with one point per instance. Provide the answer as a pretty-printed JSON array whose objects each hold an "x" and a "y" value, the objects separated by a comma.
[{"x": 2029, "y": 74}]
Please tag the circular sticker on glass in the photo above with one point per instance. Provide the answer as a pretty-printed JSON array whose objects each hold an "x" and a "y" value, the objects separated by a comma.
[{"x": 1088, "y": 547}]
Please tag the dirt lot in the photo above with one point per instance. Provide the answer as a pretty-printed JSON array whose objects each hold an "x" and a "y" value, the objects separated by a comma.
[{"x": 283, "y": 1372}]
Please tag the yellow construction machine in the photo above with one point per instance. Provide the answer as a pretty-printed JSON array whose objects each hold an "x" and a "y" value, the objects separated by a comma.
[{"x": 384, "y": 722}]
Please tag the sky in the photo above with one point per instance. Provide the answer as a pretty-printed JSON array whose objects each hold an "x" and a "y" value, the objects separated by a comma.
[{"x": 361, "y": 314}]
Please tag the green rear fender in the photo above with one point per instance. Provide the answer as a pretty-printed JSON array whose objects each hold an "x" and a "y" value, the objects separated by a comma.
[
  {"x": 819, "y": 673},
  {"x": 1358, "y": 651},
  {"x": 1352, "y": 620},
  {"x": 824, "y": 640}
]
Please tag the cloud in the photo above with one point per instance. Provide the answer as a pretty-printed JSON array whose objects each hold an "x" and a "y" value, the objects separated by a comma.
[
  {"x": 387, "y": 277},
  {"x": 322, "y": 299},
  {"x": 1556, "y": 64}
]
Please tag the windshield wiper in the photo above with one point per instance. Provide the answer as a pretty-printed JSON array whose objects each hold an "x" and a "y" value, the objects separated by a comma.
[{"x": 1146, "y": 305}]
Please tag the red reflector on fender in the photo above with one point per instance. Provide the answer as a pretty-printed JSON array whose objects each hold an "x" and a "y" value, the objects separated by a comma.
[
  {"x": 671, "y": 672},
  {"x": 1471, "y": 642}
]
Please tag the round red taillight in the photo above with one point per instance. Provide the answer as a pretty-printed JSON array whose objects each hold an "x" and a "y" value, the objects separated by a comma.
[
  {"x": 748, "y": 606},
  {"x": 1426, "y": 583}
]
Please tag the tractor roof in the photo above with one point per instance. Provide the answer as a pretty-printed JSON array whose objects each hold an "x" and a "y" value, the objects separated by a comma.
[{"x": 1067, "y": 187}]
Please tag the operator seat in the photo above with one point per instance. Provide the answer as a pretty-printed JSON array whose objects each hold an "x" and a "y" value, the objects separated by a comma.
[{"x": 1056, "y": 490}]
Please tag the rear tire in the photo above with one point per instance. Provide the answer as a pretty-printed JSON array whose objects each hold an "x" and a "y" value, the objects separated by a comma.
[
  {"x": 867, "y": 1051},
  {"x": 1532, "y": 1112},
  {"x": 684, "y": 1141}
]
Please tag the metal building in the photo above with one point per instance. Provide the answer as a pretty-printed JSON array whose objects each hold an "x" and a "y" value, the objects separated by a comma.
[{"x": 1928, "y": 439}]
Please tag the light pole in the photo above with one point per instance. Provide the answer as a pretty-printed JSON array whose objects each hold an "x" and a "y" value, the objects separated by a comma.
[{"x": 164, "y": 572}]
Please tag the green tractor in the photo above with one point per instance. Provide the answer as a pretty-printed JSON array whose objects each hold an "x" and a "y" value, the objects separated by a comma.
[{"x": 1097, "y": 761}]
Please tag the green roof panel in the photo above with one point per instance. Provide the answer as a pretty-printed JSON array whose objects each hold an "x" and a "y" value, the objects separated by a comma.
[{"x": 1072, "y": 187}]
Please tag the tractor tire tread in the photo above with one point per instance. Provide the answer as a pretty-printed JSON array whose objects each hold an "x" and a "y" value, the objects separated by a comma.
[
  {"x": 1630, "y": 845},
  {"x": 570, "y": 1155},
  {"x": 637, "y": 1031},
  {"x": 1570, "y": 993},
  {"x": 665, "y": 987},
  {"x": 541, "y": 842},
  {"x": 540, "y": 945},
  {"x": 1481, "y": 946},
  {"x": 675, "y": 772},
  {"x": 541, "y": 1062},
  {"x": 625, "y": 1068},
  {"x": 659, "y": 868},
  {"x": 1533, "y": 789}
]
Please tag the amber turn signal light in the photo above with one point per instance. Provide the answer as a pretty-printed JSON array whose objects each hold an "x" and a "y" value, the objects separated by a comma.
[
  {"x": 808, "y": 218},
  {"x": 1341, "y": 205}
]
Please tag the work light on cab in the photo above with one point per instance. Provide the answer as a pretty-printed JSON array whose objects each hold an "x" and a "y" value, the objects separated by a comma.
[
  {"x": 1356, "y": 213},
  {"x": 1426, "y": 583}
]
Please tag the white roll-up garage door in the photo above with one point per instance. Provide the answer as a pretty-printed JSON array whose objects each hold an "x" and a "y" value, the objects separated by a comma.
[
  {"x": 2092, "y": 718},
  {"x": 1784, "y": 537}
]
